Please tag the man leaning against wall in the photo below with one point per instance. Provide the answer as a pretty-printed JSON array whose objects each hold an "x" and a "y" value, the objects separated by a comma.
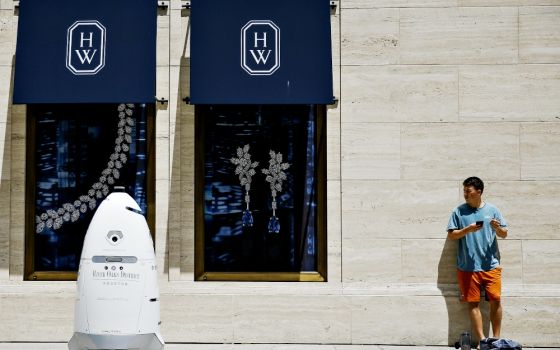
[{"x": 476, "y": 224}]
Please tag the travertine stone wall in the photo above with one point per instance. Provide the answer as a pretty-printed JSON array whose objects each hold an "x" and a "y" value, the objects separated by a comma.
[
  {"x": 433, "y": 92},
  {"x": 430, "y": 92}
]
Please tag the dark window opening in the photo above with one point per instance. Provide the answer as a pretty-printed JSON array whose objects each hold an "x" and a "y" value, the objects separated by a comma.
[
  {"x": 76, "y": 154},
  {"x": 253, "y": 224}
]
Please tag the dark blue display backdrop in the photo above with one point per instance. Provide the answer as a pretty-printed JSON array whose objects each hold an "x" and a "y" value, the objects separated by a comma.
[
  {"x": 78, "y": 51},
  {"x": 231, "y": 246},
  {"x": 261, "y": 52},
  {"x": 72, "y": 148}
]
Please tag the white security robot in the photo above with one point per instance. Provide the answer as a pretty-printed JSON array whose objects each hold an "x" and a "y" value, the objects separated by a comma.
[{"x": 117, "y": 304}]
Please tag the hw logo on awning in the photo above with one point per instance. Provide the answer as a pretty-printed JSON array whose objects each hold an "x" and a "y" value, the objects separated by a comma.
[
  {"x": 260, "y": 47},
  {"x": 85, "y": 47}
]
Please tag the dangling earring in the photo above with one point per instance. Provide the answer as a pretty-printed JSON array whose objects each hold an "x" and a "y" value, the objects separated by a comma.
[
  {"x": 245, "y": 169},
  {"x": 275, "y": 175}
]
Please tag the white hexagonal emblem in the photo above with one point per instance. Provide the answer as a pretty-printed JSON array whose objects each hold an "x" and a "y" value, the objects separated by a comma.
[
  {"x": 85, "y": 47},
  {"x": 260, "y": 47}
]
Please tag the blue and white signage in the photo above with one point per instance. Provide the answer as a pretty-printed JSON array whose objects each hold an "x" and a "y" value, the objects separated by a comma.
[
  {"x": 85, "y": 47},
  {"x": 261, "y": 52},
  {"x": 260, "y": 47},
  {"x": 82, "y": 51}
]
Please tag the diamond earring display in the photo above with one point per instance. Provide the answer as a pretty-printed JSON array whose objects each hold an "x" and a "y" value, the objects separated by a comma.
[
  {"x": 245, "y": 169},
  {"x": 275, "y": 176}
]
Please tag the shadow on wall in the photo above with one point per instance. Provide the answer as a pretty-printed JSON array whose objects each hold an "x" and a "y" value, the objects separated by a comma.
[
  {"x": 5, "y": 176},
  {"x": 163, "y": 106},
  {"x": 185, "y": 150},
  {"x": 458, "y": 319},
  {"x": 180, "y": 242},
  {"x": 457, "y": 312}
]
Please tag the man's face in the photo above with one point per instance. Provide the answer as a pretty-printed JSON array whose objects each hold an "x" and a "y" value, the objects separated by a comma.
[{"x": 471, "y": 194}]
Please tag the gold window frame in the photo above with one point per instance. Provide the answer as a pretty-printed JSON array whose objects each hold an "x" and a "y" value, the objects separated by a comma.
[
  {"x": 30, "y": 274},
  {"x": 315, "y": 276}
]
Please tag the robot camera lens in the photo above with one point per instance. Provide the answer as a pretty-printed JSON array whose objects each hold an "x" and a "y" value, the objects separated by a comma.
[{"x": 114, "y": 236}]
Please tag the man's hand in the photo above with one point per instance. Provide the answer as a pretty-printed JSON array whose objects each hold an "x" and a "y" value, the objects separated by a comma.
[
  {"x": 471, "y": 228},
  {"x": 500, "y": 231},
  {"x": 458, "y": 234}
]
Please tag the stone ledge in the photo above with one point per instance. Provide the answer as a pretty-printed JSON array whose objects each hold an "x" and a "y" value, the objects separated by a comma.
[
  {"x": 289, "y": 288},
  {"x": 194, "y": 346}
]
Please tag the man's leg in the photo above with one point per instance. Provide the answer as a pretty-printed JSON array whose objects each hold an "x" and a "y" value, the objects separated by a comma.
[
  {"x": 493, "y": 281},
  {"x": 469, "y": 286},
  {"x": 476, "y": 319},
  {"x": 496, "y": 317}
]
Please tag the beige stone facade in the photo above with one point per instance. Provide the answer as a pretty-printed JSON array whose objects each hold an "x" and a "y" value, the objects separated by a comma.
[{"x": 430, "y": 92}]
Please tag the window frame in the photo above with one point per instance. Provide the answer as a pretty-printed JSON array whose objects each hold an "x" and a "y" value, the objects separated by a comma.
[
  {"x": 30, "y": 274},
  {"x": 320, "y": 275}
]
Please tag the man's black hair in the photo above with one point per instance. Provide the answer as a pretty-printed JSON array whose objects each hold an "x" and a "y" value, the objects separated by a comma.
[{"x": 474, "y": 182}]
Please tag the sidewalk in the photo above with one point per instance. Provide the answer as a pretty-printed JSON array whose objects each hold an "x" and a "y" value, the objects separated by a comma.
[{"x": 63, "y": 346}]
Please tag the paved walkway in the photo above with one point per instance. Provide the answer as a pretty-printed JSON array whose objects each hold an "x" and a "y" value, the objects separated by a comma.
[{"x": 63, "y": 346}]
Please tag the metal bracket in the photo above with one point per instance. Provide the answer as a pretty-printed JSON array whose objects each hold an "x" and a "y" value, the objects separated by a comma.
[
  {"x": 187, "y": 100},
  {"x": 16, "y": 4},
  {"x": 164, "y": 4},
  {"x": 334, "y": 101},
  {"x": 162, "y": 100},
  {"x": 334, "y": 4}
]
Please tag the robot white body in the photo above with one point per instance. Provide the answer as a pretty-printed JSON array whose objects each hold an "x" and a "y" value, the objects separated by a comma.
[{"x": 117, "y": 303}]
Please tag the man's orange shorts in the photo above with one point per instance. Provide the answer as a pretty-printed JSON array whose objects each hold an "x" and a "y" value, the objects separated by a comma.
[{"x": 470, "y": 284}]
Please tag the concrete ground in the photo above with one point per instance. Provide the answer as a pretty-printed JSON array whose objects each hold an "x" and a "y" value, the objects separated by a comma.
[{"x": 63, "y": 346}]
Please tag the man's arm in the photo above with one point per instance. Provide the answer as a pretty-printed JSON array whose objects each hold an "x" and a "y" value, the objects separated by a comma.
[{"x": 460, "y": 233}]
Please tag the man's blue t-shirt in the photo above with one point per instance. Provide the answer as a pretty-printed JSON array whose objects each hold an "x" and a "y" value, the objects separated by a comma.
[{"x": 478, "y": 251}]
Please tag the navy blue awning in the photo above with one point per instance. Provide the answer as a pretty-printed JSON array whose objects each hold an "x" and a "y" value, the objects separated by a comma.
[
  {"x": 83, "y": 51},
  {"x": 261, "y": 52}
]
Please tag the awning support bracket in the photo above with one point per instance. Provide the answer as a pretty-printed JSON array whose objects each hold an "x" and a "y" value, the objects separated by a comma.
[
  {"x": 334, "y": 4},
  {"x": 163, "y": 4},
  {"x": 334, "y": 101},
  {"x": 162, "y": 100}
]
